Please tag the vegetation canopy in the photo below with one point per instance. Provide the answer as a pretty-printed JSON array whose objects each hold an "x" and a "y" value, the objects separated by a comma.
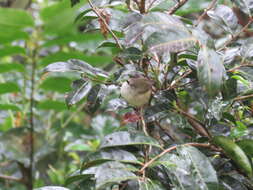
[{"x": 65, "y": 126}]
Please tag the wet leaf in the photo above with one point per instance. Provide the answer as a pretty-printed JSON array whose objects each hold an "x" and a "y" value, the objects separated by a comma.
[
  {"x": 234, "y": 152},
  {"x": 81, "y": 89},
  {"x": 211, "y": 71},
  {"x": 111, "y": 173},
  {"x": 190, "y": 169},
  {"x": 124, "y": 138},
  {"x": 224, "y": 17},
  {"x": 75, "y": 178},
  {"x": 75, "y": 65},
  {"x": 102, "y": 156}
]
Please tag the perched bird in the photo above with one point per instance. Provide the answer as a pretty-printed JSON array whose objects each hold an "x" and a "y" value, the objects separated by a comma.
[{"x": 136, "y": 91}]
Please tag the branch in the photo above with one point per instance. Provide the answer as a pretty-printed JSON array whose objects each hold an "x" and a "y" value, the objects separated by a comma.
[
  {"x": 239, "y": 66},
  {"x": 210, "y": 6},
  {"x": 142, "y": 7},
  {"x": 239, "y": 98},
  {"x": 177, "y": 6},
  {"x": 11, "y": 178},
  {"x": 169, "y": 150},
  {"x": 32, "y": 102},
  {"x": 234, "y": 37},
  {"x": 188, "y": 72},
  {"x": 95, "y": 10}
]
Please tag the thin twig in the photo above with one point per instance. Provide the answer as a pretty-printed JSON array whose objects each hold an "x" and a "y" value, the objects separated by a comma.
[
  {"x": 150, "y": 5},
  {"x": 169, "y": 150},
  {"x": 234, "y": 37},
  {"x": 210, "y": 6},
  {"x": 95, "y": 10},
  {"x": 188, "y": 72},
  {"x": 177, "y": 6},
  {"x": 32, "y": 102},
  {"x": 239, "y": 98},
  {"x": 239, "y": 66},
  {"x": 72, "y": 115},
  {"x": 11, "y": 178}
]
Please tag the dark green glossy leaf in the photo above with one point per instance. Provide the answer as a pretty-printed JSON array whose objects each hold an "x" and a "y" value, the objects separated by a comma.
[
  {"x": 58, "y": 84},
  {"x": 234, "y": 152},
  {"x": 75, "y": 178},
  {"x": 12, "y": 107},
  {"x": 224, "y": 17},
  {"x": 131, "y": 53},
  {"x": 8, "y": 87},
  {"x": 211, "y": 70},
  {"x": 150, "y": 185},
  {"x": 52, "y": 105},
  {"x": 111, "y": 173},
  {"x": 109, "y": 155},
  {"x": 247, "y": 146},
  {"x": 75, "y": 65},
  {"x": 81, "y": 89},
  {"x": 190, "y": 169},
  {"x": 124, "y": 138}
]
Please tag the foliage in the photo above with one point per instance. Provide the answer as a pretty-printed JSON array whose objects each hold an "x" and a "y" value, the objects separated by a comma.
[{"x": 63, "y": 124}]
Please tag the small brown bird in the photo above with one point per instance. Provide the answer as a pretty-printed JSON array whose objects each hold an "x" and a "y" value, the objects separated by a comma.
[{"x": 136, "y": 91}]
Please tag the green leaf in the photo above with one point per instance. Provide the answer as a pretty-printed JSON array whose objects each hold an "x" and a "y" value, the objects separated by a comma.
[
  {"x": 161, "y": 33},
  {"x": 11, "y": 50},
  {"x": 81, "y": 89},
  {"x": 109, "y": 155},
  {"x": 124, "y": 138},
  {"x": 234, "y": 152},
  {"x": 65, "y": 13},
  {"x": 7, "y": 67},
  {"x": 210, "y": 70},
  {"x": 245, "y": 5},
  {"x": 8, "y": 87},
  {"x": 75, "y": 178},
  {"x": 52, "y": 105},
  {"x": 190, "y": 169},
  {"x": 150, "y": 185},
  {"x": 52, "y": 188},
  {"x": 111, "y": 173},
  {"x": 240, "y": 130},
  {"x": 247, "y": 146},
  {"x": 12, "y": 107},
  {"x": 15, "y": 18},
  {"x": 58, "y": 84},
  {"x": 8, "y": 34},
  {"x": 75, "y": 65},
  {"x": 224, "y": 17}
]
